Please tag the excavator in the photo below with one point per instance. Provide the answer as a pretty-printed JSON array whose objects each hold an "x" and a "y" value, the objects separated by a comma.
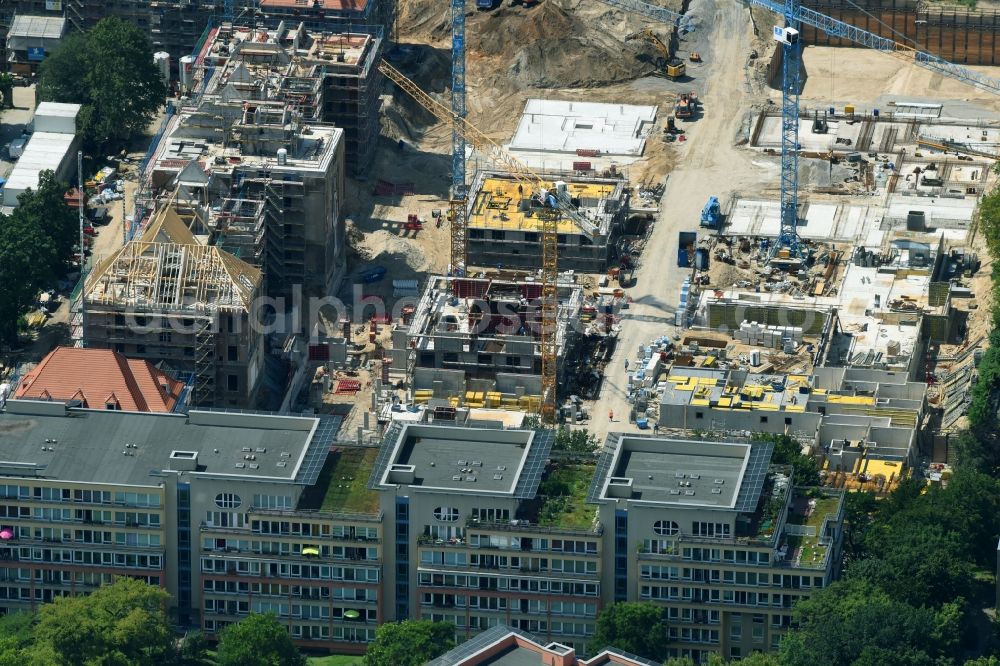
[{"x": 674, "y": 68}]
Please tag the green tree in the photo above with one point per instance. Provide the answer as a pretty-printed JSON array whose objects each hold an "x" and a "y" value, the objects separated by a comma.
[
  {"x": 788, "y": 451},
  {"x": 575, "y": 440},
  {"x": 639, "y": 628},
  {"x": 27, "y": 259},
  {"x": 7, "y": 91},
  {"x": 16, "y": 636},
  {"x": 108, "y": 70},
  {"x": 46, "y": 209},
  {"x": 123, "y": 624},
  {"x": 854, "y": 623},
  {"x": 194, "y": 649},
  {"x": 409, "y": 643},
  {"x": 258, "y": 640}
]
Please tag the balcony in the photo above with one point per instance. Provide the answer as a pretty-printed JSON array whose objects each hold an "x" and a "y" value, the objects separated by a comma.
[{"x": 527, "y": 527}]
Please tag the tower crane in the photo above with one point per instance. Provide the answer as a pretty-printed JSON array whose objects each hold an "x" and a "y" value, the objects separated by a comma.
[
  {"x": 787, "y": 36},
  {"x": 549, "y": 218}
]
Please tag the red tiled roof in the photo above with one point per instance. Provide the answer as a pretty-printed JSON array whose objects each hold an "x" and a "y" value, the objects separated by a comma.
[{"x": 97, "y": 376}]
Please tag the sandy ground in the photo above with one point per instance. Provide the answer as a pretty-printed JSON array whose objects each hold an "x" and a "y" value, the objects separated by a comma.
[{"x": 709, "y": 164}]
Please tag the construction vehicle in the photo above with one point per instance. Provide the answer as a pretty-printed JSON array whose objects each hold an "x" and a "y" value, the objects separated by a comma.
[
  {"x": 694, "y": 56},
  {"x": 674, "y": 68},
  {"x": 711, "y": 214},
  {"x": 685, "y": 247},
  {"x": 687, "y": 105},
  {"x": 556, "y": 207}
]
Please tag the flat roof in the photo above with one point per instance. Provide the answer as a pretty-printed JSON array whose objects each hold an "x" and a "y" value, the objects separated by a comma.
[
  {"x": 44, "y": 27},
  {"x": 565, "y": 127},
  {"x": 686, "y": 472},
  {"x": 44, "y": 150},
  {"x": 92, "y": 445},
  {"x": 61, "y": 109},
  {"x": 497, "y": 203},
  {"x": 464, "y": 459}
]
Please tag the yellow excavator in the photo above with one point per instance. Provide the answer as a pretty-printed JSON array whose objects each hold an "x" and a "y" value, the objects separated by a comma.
[{"x": 674, "y": 68}]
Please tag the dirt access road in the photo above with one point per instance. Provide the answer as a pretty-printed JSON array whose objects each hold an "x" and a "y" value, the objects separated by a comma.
[{"x": 708, "y": 164}]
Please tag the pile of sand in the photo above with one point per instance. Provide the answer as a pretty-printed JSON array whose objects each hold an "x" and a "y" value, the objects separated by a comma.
[{"x": 558, "y": 44}]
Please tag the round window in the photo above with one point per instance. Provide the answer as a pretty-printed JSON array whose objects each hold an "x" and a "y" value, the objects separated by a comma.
[
  {"x": 228, "y": 501},
  {"x": 666, "y": 528},
  {"x": 447, "y": 514}
]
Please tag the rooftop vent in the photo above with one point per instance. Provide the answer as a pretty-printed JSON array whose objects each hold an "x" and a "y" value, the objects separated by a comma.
[
  {"x": 716, "y": 491},
  {"x": 401, "y": 474},
  {"x": 689, "y": 492},
  {"x": 282, "y": 464},
  {"x": 679, "y": 475},
  {"x": 719, "y": 481},
  {"x": 498, "y": 477},
  {"x": 241, "y": 465},
  {"x": 183, "y": 461},
  {"x": 286, "y": 454}
]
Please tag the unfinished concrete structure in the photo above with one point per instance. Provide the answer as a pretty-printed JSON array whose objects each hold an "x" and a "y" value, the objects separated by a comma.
[
  {"x": 250, "y": 161},
  {"x": 476, "y": 342},
  {"x": 504, "y": 229},
  {"x": 325, "y": 77},
  {"x": 166, "y": 297},
  {"x": 881, "y": 409}
]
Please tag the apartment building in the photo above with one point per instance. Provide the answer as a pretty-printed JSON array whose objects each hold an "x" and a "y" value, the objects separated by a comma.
[
  {"x": 239, "y": 512},
  {"x": 477, "y": 543},
  {"x": 716, "y": 534},
  {"x": 229, "y": 512},
  {"x": 166, "y": 297}
]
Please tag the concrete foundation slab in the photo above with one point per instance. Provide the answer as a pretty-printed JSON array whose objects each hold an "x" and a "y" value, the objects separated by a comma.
[{"x": 560, "y": 126}]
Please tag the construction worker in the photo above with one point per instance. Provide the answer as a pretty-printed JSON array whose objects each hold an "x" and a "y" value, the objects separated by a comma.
[
  {"x": 611, "y": 415},
  {"x": 520, "y": 190},
  {"x": 626, "y": 365}
]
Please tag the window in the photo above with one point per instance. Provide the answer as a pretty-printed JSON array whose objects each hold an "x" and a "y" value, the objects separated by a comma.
[
  {"x": 699, "y": 415},
  {"x": 165, "y": 336},
  {"x": 497, "y": 235},
  {"x": 140, "y": 349},
  {"x": 788, "y": 420},
  {"x": 228, "y": 501},
  {"x": 446, "y": 514},
  {"x": 233, "y": 382},
  {"x": 233, "y": 353},
  {"x": 763, "y": 419},
  {"x": 666, "y": 528}
]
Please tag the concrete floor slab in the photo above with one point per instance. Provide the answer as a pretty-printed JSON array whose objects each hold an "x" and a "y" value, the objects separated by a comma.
[{"x": 559, "y": 126}]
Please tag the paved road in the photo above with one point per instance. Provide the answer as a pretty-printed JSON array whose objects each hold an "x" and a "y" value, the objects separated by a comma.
[{"x": 709, "y": 164}]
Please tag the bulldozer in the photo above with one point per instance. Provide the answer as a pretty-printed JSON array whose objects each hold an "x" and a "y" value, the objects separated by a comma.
[{"x": 673, "y": 68}]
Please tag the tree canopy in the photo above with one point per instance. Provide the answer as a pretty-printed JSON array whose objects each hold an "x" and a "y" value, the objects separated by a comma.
[
  {"x": 108, "y": 70},
  {"x": 124, "y": 624},
  {"x": 257, "y": 640},
  {"x": 27, "y": 260},
  {"x": 45, "y": 207},
  {"x": 409, "y": 643},
  {"x": 639, "y": 628}
]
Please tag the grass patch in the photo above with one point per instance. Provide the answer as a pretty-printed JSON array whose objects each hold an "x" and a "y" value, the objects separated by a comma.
[
  {"x": 336, "y": 660},
  {"x": 813, "y": 552},
  {"x": 565, "y": 497},
  {"x": 345, "y": 480}
]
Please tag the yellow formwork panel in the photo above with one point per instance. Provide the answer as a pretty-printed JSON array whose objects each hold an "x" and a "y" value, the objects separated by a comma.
[
  {"x": 497, "y": 205},
  {"x": 850, "y": 400},
  {"x": 725, "y": 402}
]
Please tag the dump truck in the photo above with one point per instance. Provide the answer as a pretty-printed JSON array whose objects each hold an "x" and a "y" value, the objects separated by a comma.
[
  {"x": 711, "y": 214},
  {"x": 685, "y": 247}
]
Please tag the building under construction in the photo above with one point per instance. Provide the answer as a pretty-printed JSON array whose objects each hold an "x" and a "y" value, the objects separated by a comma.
[
  {"x": 504, "y": 226},
  {"x": 475, "y": 342},
  {"x": 168, "y": 298},
  {"x": 248, "y": 160},
  {"x": 324, "y": 77}
]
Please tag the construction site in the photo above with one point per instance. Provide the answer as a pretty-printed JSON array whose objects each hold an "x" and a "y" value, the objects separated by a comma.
[{"x": 167, "y": 298}]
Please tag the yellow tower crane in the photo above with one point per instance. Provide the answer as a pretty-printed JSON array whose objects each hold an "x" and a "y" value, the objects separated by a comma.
[{"x": 549, "y": 218}]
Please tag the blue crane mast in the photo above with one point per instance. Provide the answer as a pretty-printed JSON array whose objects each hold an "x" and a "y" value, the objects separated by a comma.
[{"x": 458, "y": 97}]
